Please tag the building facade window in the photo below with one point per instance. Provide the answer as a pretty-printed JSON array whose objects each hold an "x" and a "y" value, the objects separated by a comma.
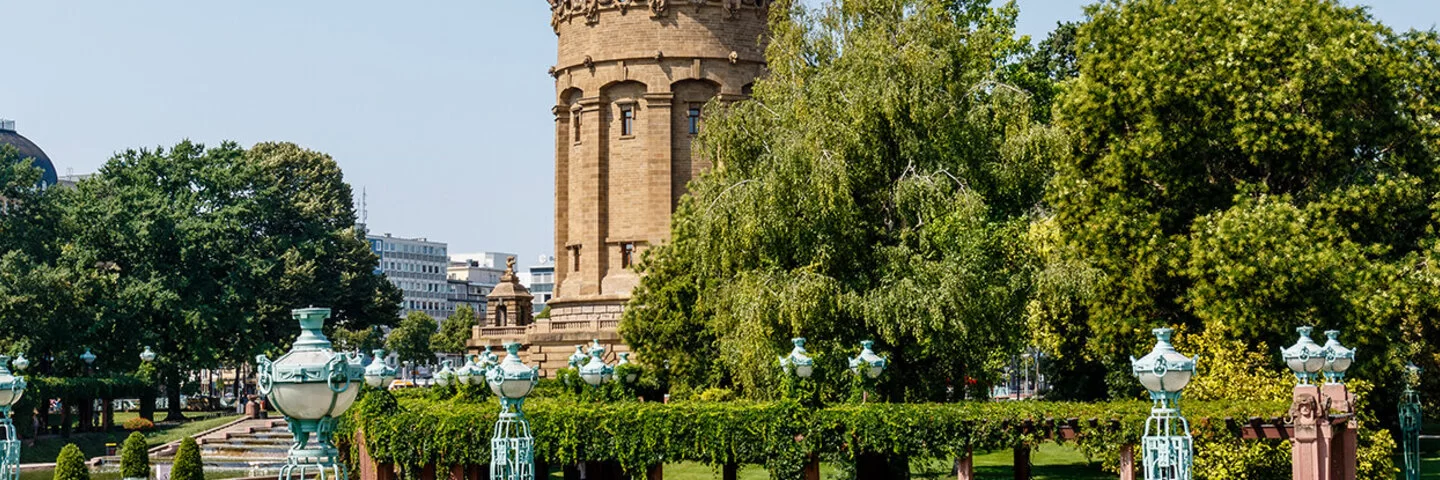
[
  {"x": 693, "y": 118},
  {"x": 627, "y": 255},
  {"x": 575, "y": 258},
  {"x": 627, "y": 120}
]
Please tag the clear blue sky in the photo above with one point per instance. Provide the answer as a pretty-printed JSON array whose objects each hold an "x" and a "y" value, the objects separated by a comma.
[{"x": 440, "y": 109}]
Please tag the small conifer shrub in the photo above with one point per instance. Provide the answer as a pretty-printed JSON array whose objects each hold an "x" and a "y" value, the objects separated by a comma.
[
  {"x": 187, "y": 462},
  {"x": 135, "y": 457},
  {"x": 70, "y": 465}
]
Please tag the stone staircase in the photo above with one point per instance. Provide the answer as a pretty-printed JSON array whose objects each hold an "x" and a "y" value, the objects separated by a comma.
[{"x": 253, "y": 447}]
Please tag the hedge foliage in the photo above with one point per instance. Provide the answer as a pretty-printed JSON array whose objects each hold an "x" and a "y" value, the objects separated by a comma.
[
  {"x": 188, "y": 465},
  {"x": 780, "y": 435},
  {"x": 135, "y": 457},
  {"x": 70, "y": 465}
]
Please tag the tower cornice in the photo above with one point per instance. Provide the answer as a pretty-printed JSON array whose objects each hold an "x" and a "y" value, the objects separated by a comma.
[{"x": 589, "y": 11}]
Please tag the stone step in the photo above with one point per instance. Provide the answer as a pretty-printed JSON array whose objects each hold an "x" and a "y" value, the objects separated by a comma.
[
  {"x": 245, "y": 450},
  {"x": 247, "y": 441}
]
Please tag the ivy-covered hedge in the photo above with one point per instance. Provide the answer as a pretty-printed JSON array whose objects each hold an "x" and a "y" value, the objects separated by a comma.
[
  {"x": 780, "y": 435},
  {"x": 71, "y": 389}
]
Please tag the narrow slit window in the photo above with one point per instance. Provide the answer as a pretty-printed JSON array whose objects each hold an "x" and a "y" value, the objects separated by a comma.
[
  {"x": 694, "y": 119},
  {"x": 575, "y": 125},
  {"x": 627, "y": 120},
  {"x": 627, "y": 255}
]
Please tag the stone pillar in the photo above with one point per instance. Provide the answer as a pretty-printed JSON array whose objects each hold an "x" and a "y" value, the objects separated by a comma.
[
  {"x": 1022, "y": 462},
  {"x": 965, "y": 465},
  {"x": 107, "y": 417},
  {"x": 730, "y": 472},
  {"x": 1127, "y": 462},
  {"x": 655, "y": 472},
  {"x": 1343, "y": 441},
  {"x": 812, "y": 469},
  {"x": 1309, "y": 448}
]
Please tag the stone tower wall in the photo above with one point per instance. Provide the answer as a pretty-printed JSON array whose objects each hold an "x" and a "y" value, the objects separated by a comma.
[{"x": 614, "y": 190}]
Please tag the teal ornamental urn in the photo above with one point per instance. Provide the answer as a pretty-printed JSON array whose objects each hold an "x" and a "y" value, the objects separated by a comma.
[
  {"x": 311, "y": 386},
  {"x": 12, "y": 387},
  {"x": 512, "y": 447}
]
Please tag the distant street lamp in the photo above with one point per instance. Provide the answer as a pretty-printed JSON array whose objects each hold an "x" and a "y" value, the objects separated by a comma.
[
  {"x": 799, "y": 360},
  {"x": 12, "y": 387},
  {"x": 445, "y": 375},
  {"x": 633, "y": 374},
  {"x": 868, "y": 365},
  {"x": 1410, "y": 421},
  {"x": 596, "y": 372},
  {"x": 312, "y": 386},
  {"x": 578, "y": 358},
  {"x": 512, "y": 447},
  {"x": 148, "y": 355},
  {"x": 379, "y": 373},
  {"x": 1169, "y": 449}
]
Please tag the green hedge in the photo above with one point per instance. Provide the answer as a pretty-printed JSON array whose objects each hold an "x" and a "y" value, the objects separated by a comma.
[{"x": 780, "y": 435}]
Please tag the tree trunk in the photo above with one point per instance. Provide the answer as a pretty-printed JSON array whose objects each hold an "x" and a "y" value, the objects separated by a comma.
[
  {"x": 147, "y": 404},
  {"x": 175, "y": 411},
  {"x": 65, "y": 418}
]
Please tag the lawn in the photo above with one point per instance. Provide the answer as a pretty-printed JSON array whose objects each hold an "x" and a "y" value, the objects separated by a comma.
[
  {"x": 46, "y": 449},
  {"x": 1051, "y": 462}
]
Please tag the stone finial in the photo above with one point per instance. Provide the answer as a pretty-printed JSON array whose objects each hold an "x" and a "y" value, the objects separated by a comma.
[
  {"x": 657, "y": 7},
  {"x": 589, "y": 62},
  {"x": 734, "y": 57}
]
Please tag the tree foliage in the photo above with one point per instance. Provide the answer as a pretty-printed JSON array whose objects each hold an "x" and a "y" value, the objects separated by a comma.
[
  {"x": 871, "y": 188},
  {"x": 135, "y": 457},
  {"x": 197, "y": 252},
  {"x": 188, "y": 464},
  {"x": 70, "y": 464},
  {"x": 454, "y": 331},
  {"x": 1247, "y": 167},
  {"x": 411, "y": 340}
]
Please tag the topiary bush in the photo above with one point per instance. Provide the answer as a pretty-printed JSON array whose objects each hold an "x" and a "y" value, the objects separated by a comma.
[
  {"x": 70, "y": 465},
  {"x": 187, "y": 462},
  {"x": 135, "y": 457},
  {"x": 138, "y": 423}
]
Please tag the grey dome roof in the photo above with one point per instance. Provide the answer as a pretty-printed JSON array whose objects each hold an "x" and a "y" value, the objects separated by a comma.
[{"x": 28, "y": 149}]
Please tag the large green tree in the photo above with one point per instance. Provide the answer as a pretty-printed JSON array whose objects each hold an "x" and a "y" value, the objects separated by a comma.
[
  {"x": 411, "y": 340},
  {"x": 454, "y": 331},
  {"x": 1248, "y": 167},
  {"x": 199, "y": 253},
  {"x": 871, "y": 188}
]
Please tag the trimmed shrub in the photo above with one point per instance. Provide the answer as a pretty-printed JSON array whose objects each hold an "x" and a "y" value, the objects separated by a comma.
[
  {"x": 187, "y": 462},
  {"x": 135, "y": 457},
  {"x": 138, "y": 423},
  {"x": 70, "y": 465}
]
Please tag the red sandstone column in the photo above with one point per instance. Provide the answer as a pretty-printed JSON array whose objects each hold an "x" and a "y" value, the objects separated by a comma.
[
  {"x": 812, "y": 469},
  {"x": 1309, "y": 447},
  {"x": 965, "y": 466},
  {"x": 1022, "y": 462},
  {"x": 1127, "y": 462}
]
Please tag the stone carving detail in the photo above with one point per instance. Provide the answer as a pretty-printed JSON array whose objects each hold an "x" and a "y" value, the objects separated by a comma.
[
  {"x": 657, "y": 7},
  {"x": 734, "y": 57},
  {"x": 732, "y": 8},
  {"x": 592, "y": 11},
  {"x": 699, "y": 3}
]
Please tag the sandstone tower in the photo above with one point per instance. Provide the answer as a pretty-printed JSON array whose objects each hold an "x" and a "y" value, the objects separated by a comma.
[{"x": 631, "y": 79}]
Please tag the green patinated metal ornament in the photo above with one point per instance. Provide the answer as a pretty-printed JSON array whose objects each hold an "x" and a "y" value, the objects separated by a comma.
[
  {"x": 1168, "y": 448},
  {"x": 311, "y": 386},
  {"x": 1410, "y": 421},
  {"x": 1338, "y": 358},
  {"x": 512, "y": 446},
  {"x": 595, "y": 372},
  {"x": 379, "y": 373},
  {"x": 799, "y": 360},
  {"x": 1305, "y": 358},
  {"x": 12, "y": 387}
]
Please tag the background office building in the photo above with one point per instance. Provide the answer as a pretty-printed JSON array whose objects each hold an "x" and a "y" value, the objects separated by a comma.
[
  {"x": 542, "y": 282},
  {"x": 417, "y": 266},
  {"x": 472, "y": 276}
]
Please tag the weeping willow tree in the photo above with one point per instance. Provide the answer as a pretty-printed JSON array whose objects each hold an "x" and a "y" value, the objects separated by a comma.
[{"x": 877, "y": 185}]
